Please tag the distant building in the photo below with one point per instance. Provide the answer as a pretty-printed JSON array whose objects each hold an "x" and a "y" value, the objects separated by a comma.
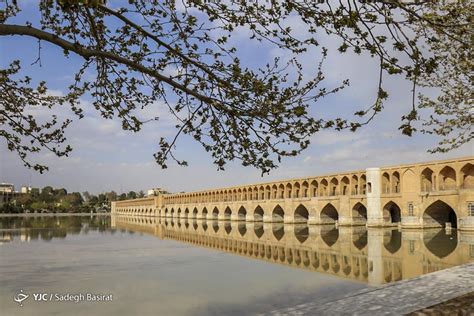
[
  {"x": 25, "y": 189},
  {"x": 7, "y": 188},
  {"x": 156, "y": 192}
]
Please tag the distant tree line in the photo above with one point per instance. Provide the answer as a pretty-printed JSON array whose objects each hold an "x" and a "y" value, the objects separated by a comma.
[{"x": 50, "y": 200}]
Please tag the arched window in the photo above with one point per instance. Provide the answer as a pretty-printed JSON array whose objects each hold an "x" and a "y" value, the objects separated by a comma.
[
  {"x": 447, "y": 179},
  {"x": 467, "y": 176},
  {"x": 427, "y": 180},
  {"x": 385, "y": 183}
]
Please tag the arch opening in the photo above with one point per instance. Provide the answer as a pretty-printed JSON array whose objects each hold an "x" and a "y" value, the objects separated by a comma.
[
  {"x": 242, "y": 213},
  {"x": 391, "y": 213},
  {"x": 395, "y": 182},
  {"x": 345, "y": 186},
  {"x": 215, "y": 213},
  {"x": 447, "y": 179},
  {"x": 329, "y": 214},
  {"x": 359, "y": 214},
  {"x": 301, "y": 214},
  {"x": 439, "y": 214},
  {"x": 258, "y": 214},
  {"x": 227, "y": 213},
  {"x": 467, "y": 176},
  {"x": 278, "y": 214},
  {"x": 427, "y": 180}
]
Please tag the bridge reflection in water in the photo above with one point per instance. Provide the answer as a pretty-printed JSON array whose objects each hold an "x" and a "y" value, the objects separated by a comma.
[{"x": 374, "y": 256}]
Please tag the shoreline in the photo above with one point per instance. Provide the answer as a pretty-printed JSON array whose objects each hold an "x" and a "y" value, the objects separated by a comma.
[
  {"x": 406, "y": 296},
  {"x": 53, "y": 214}
]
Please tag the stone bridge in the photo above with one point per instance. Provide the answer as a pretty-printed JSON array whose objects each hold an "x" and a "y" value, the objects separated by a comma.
[{"x": 430, "y": 194}]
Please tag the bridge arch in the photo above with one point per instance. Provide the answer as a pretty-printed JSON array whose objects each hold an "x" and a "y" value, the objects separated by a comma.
[
  {"x": 204, "y": 213},
  {"x": 301, "y": 214},
  {"x": 392, "y": 213},
  {"x": 334, "y": 187},
  {"x": 329, "y": 214},
  {"x": 363, "y": 184},
  {"x": 289, "y": 190},
  {"x": 195, "y": 213},
  {"x": 323, "y": 187},
  {"x": 278, "y": 214},
  {"x": 467, "y": 176},
  {"x": 427, "y": 180},
  {"x": 304, "y": 189},
  {"x": 447, "y": 179},
  {"x": 438, "y": 214},
  {"x": 227, "y": 213},
  {"x": 345, "y": 186},
  {"x": 186, "y": 213},
  {"x": 359, "y": 213},
  {"x": 268, "y": 192},
  {"x": 297, "y": 190},
  {"x": 242, "y": 214},
  {"x": 215, "y": 213},
  {"x": 314, "y": 188},
  {"x": 355, "y": 185},
  {"x": 396, "y": 182},
  {"x": 385, "y": 183},
  {"x": 258, "y": 214},
  {"x": 274, "y": 192}
]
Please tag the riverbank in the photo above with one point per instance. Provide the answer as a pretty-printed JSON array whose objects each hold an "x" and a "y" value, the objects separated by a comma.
[
  {"x": 398, "y": 298},
  {"x": 53, "y": 214}
]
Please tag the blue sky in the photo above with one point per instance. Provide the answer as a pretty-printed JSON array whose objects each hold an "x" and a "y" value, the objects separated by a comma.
[{"x": 107, "y": 158}]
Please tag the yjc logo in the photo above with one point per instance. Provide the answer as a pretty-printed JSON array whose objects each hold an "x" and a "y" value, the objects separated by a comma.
[{"x": 20, "y": 297}]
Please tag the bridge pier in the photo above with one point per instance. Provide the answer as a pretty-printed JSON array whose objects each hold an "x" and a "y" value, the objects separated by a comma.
[{"x": 373, "y": 192}]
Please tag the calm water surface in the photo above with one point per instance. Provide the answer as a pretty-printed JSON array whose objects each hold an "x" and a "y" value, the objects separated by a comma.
[{"x": 153, "y": 266}]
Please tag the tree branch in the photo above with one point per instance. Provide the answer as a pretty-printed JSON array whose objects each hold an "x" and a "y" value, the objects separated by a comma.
[{"x": 86, "y": 53}]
